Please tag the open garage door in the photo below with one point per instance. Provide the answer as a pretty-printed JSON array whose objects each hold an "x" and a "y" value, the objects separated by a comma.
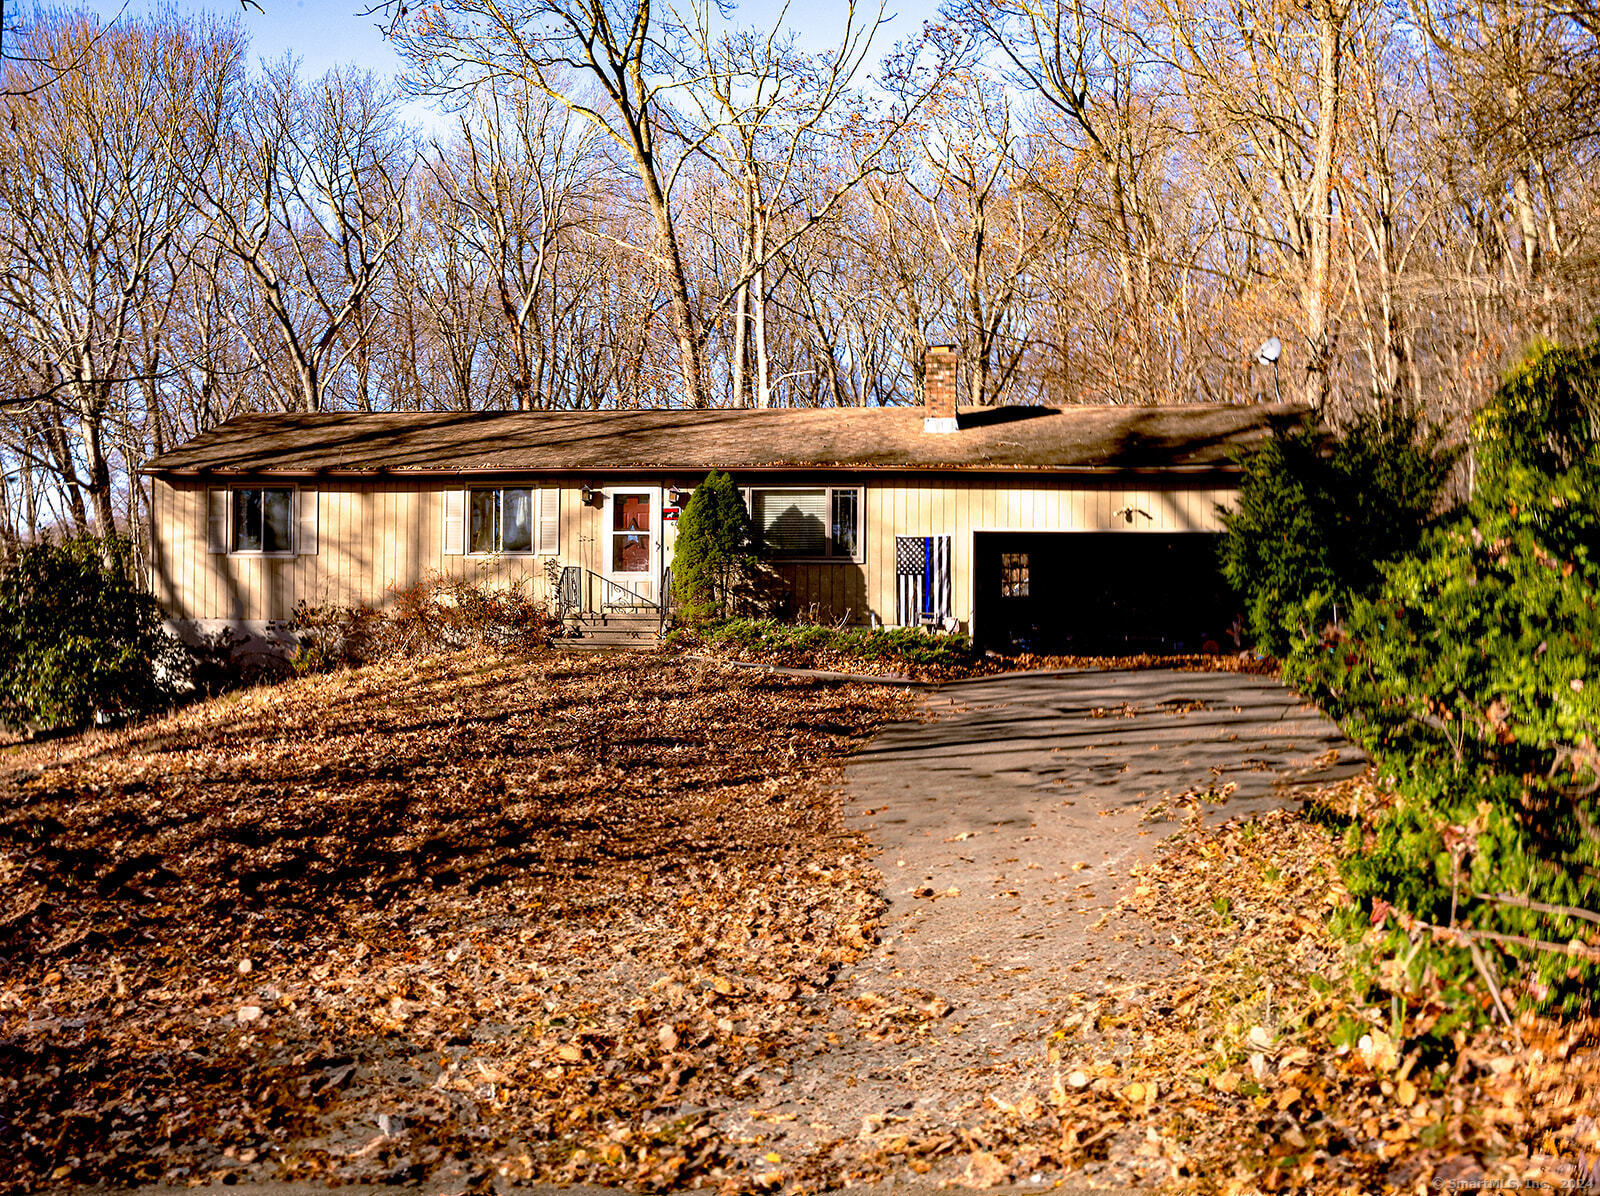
[{"x": 1100, "y": 592}]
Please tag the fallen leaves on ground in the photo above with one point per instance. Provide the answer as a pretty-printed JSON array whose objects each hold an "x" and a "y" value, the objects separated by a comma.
[
  {"x": 530, "y": 916},
  {"x": 1254, "y": 1068},
  {"x": 1297, "y": 1080},
  {"x": 550, "y": 918},
  {"x": 988, "y": 664}
]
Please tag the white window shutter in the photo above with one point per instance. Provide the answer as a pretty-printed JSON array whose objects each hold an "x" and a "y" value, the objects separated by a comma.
[
  {"x": 455, "y": 521},
  {"x": 216, "y": 521},
  {"x": 306, "y": 534},
  {"x": 549, "y": 522}
]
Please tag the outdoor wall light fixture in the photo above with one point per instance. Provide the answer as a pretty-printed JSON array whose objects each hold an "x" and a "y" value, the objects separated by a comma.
[
  {"x": 679, "y": 496},
  {"x": 590, "y": 495}
]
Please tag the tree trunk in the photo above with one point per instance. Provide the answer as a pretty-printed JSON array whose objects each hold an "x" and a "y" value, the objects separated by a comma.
[
  {"x": 8, "y": 520},
  {"x": 310, "y": 386},
  {"x": 105, "y": 516},
  {"x": 30, "y": 501},
  {"x": 1127, "y": 277},
  {"x": 758, "y": 300},
  {"x": 66, "y": 470},
  {"x": 737, "y": 357},
  {"x": 683, "y": 321},
  {"x": 1319, "y": 340}
]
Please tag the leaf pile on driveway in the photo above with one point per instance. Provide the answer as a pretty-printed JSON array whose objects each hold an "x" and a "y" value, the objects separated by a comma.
[{"x": 523, "y": 917}]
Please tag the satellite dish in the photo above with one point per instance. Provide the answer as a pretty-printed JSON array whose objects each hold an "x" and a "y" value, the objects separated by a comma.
[{"x": 1271, "y": 349}]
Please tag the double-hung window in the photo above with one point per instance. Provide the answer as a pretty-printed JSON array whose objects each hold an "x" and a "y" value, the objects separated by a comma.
[
  {"x": 266, "y": 521},
  {"x": 807, "y": 522},
  {"x": 263, "y": 520},
  {"x": 496, "y": 520},
  {"x": 500, "y": 520}
]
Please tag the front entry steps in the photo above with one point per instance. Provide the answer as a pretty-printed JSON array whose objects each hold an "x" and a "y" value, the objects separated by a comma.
[{"x": 596, "y": 630}]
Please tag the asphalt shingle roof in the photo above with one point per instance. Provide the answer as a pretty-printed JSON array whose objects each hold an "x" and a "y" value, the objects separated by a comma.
[{"x": 1000, "y": 439}]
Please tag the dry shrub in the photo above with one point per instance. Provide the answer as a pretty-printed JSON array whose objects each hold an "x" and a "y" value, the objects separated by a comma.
[{"x": 438, "y": 614}]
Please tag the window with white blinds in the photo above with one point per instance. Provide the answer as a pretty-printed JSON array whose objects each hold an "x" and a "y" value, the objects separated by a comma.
[{"x": 813, "y": 522}]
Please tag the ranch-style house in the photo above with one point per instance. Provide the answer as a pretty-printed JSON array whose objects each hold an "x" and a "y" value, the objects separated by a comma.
[{"x": 1086, "y": 528}]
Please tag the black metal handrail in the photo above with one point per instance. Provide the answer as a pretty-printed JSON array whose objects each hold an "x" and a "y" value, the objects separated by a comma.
[
  {"x": 610, "y": 590},
  {"x": 569, "y": 592},
  {"x": 577, "y": 588}
]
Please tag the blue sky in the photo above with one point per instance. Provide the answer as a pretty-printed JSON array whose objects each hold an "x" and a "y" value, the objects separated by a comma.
[{"x": 328, "y": 33}]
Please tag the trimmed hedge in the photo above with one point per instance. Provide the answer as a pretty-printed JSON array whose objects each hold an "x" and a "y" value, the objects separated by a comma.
[{"x": 908, "y": 646}]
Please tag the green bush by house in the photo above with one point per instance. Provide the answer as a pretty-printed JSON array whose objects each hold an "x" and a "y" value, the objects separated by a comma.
[
  {"x": 900, "y": 646},
  {"x": 1545, "y": 416},
  {"x": 78, "y": 638},
  {"x": 1315, "y": 520},
  {"x": 713, "y": 555}
]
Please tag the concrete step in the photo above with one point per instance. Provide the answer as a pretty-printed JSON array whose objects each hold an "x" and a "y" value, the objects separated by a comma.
[
  {"x": 593, "y": 644},
  {"x": 610, "y": 628},
  {"x": 631, "y": 630}
]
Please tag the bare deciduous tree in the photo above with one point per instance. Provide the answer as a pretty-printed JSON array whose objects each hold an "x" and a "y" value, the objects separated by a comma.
[
  {"x": 306, "y": 193},
  {"x": 95, "y": 181}
]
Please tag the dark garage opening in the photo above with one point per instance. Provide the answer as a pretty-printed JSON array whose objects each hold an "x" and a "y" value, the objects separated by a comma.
[{"x": 1100, "y": 592}]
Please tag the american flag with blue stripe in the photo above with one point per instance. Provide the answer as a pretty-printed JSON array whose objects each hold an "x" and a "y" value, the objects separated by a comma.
[{"x": 922, "y": 579}]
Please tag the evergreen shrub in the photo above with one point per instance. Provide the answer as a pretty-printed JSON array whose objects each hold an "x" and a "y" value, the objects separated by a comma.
[
  {"x": 79, "y": 639},
  {"x": 714, "y": 554},
  {"x": 1470, "y": 673},
  {"x": 1315, "y": 520}
]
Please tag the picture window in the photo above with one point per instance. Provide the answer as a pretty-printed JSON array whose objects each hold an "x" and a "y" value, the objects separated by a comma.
[{"x": 813, "y": 523}]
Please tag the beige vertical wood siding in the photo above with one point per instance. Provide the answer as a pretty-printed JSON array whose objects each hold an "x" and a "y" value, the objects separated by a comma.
[
  {"x": 962, "y": 508},
  {"x": 376, "y": 538}
]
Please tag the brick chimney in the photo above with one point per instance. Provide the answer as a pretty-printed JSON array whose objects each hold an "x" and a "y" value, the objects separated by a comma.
[{"x": 939, "y": 388}]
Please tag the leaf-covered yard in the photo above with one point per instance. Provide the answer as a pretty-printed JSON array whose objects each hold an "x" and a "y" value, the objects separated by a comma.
[
  {"x": 575, "y": 919},
  {"x": 529, "y": 915}
]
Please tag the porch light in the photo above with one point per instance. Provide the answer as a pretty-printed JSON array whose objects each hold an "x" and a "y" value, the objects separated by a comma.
[
  {"x": 590, "y": 494},
  {"x": 679, "y": 496}
]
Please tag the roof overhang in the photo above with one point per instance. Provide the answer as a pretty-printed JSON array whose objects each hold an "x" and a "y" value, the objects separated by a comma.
[{"x": 1220, "y": 467}]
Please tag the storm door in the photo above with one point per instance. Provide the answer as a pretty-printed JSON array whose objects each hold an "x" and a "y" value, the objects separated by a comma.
[{"x": 631, "y": 548}]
